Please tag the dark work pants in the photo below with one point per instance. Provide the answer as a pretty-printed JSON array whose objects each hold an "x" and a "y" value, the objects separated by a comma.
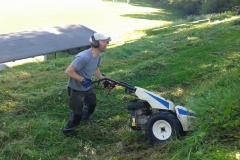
[{"x": 77, "y": 99}]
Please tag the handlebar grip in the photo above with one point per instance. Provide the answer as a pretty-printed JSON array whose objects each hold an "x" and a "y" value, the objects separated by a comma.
[{"x": 123, "y": 84}]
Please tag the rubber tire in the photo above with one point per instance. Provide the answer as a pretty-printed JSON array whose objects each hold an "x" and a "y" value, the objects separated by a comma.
[{"x": 168, "y": 123}]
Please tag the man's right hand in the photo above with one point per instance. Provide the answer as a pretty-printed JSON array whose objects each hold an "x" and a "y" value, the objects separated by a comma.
[
  {"x": 108, "y": 84},
  {"x": 86, "y": 83}
]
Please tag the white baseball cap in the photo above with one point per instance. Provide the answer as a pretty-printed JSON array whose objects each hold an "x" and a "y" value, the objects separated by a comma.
[{"x": 99, "y": 36}]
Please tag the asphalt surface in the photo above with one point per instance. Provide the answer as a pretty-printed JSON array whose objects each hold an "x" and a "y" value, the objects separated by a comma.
[
  {"x": 112, "y": 19},
  {"x": 105, "y": 17}
]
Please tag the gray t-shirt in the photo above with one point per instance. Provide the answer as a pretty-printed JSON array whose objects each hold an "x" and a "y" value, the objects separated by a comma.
[{"x": 86, "y": 65}]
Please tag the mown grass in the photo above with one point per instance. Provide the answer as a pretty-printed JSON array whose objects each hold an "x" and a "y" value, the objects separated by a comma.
[{"x": 197, "y": 67}]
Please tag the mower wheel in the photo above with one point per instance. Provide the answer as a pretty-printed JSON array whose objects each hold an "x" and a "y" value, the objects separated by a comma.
[{"x": 162, "y": 127}]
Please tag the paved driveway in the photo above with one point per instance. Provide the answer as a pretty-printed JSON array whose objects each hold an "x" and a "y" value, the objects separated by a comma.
[
  {"x": 113, "y": 19},
  {"x": 106, "y": 17}
]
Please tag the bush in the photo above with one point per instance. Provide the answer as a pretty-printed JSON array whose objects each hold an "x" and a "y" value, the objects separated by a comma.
[{"x": 195, "y": 7}]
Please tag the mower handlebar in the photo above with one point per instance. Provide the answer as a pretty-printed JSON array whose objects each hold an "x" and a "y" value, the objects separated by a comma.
[{"x": 123, "y": 84}]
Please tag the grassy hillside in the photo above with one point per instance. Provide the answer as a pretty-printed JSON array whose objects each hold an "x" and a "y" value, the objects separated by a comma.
[{"x": 197, "y": 67}]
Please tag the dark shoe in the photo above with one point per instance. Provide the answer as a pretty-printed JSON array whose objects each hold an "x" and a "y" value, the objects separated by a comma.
[
  {"x": 88, "y": 119},
  {"x": 69, "y": 133}
]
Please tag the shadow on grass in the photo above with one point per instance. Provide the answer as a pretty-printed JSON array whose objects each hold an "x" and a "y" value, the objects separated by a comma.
[
  {"x": 162, "y": 13},
  {"x": 161, "y": 16},
  {"x": 157, "y": 13}
]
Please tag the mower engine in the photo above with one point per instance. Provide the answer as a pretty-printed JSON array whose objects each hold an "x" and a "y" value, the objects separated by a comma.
[{"x": 140, "y": 114}]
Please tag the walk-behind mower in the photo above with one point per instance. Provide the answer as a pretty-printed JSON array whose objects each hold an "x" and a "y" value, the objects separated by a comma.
[{"x": 160, "y": 118}]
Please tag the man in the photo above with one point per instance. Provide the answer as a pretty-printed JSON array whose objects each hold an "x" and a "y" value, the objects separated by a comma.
[{"x": 80, "y": 71}]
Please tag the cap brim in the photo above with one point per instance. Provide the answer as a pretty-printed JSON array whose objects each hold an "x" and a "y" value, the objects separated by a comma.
[{"x": 105, "y": 38}]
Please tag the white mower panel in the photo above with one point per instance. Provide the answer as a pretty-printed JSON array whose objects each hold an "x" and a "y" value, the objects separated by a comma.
[
  {"x": 154, "y": 100},
  {"x": 185, "y": 117}
]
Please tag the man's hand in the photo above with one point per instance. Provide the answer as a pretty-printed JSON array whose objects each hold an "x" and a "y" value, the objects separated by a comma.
[
  {"x": 86, "y": 83},
  {"x": 108, "y": 84}
]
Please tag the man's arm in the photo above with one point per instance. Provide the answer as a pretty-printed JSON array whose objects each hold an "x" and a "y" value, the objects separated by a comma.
[
  {"x": 107, "y": 84},
  {"x": 98, "y": 74},
  {"x": 71, "y": 72}
]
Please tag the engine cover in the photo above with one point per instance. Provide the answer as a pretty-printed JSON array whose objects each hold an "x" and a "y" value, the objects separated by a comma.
[{"x": 139, "y": 116}]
